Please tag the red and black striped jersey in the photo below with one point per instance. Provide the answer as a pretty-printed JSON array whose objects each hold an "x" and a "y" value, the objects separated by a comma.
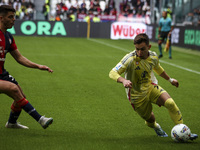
[{"x": 7, "y": 44}]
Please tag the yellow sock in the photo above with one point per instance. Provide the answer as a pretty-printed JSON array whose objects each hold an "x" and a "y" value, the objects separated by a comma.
[
  {"x": 174, "y": 111},
  {"x": 151, "y": 125}
]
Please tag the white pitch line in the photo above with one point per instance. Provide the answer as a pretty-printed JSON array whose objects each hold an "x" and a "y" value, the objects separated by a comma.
[
  {"x": 180, "y": 67},
  {"x": 125, "y": 50}
]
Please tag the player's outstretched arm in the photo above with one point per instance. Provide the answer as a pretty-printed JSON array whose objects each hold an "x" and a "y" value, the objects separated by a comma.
[
  {"x": 171, "y": 80},
  {"x": 43, "y": 67},
  {"x": 26, "y": 62}
]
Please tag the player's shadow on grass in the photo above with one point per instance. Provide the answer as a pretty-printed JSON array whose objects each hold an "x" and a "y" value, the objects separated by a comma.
[{"x": 84, "y": 139}]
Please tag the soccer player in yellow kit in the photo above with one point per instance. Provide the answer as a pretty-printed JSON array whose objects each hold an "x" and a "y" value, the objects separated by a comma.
[{"x": 142, "y": 91}]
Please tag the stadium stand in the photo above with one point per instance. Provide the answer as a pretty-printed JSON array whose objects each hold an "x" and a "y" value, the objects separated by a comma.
[{"x": 108, "y": 10}]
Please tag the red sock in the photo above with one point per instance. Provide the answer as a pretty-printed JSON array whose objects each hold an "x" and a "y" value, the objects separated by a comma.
[{"x": 22, "y": 102}]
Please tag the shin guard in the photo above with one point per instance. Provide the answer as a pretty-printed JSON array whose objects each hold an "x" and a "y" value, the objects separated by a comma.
[{"x": 174, "y": 111}]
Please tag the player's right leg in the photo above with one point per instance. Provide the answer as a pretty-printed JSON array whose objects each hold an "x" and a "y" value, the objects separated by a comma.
[
  {"x": 145, "y": 111},
  {"x": 13, "y": 91},
  {"x": 152, "y": 124},
  {"x": 19, "y": 103}
]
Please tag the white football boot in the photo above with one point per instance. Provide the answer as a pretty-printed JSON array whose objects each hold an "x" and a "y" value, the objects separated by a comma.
[
  {"x": 45, "y": 122},
  {"x": 15, "y": 126},
  {"x": 193, "y": 136}
]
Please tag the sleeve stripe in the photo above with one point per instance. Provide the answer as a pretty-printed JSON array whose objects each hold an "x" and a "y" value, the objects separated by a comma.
[{"x": 127, "y": 57}]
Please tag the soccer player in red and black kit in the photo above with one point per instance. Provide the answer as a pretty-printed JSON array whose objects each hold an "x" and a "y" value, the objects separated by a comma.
[{"x": 8, "y": 85}]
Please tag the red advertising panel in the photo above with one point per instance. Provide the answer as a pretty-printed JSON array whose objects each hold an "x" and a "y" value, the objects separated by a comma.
[{"x": 125, "y": 30}]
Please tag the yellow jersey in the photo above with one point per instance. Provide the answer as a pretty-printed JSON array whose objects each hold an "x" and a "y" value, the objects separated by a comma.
[
  {"x": 96, "y": 19},
  {"x": 139, "y": 72}
]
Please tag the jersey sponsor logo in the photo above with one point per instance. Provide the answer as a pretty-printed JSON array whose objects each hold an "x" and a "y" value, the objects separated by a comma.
[
  {"x": 144, "y": 78},
  {"x": 137, "y": 63},
  {"x": 144, "y": 74}
]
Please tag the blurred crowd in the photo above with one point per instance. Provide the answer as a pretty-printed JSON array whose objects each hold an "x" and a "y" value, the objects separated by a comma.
[
  {"x": 75, "y": 10},
  {"x": 24, "y": 8},
  {"x": 72, "y": 9},
  {"x": 66, "y": 10},
  {"x": 135, "y": 7},
  {"x": 193, "y": 18}
]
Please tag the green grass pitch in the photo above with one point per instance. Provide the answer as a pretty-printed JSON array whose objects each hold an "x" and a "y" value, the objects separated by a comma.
[{"x": 90, "y": 110}]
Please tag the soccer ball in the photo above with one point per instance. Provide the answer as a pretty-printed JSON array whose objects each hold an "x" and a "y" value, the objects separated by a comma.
[{"x": 180, "y": 133}]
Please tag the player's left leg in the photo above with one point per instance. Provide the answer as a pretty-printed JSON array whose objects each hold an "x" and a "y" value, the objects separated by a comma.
[
  {"x": 14, "y": 115},
  {"x": 175, "y": 114},
  {"x": 25, "y": 105},
  {"x": 160, "y": 97}
]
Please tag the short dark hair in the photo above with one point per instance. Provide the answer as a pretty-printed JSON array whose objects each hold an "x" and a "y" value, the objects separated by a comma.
[
  {"x": 4, "y": 9},
  {"x": 142, "y": 37}
]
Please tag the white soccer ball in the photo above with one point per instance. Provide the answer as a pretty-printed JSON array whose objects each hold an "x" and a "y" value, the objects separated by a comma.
[{"x": 180, "y": 133}]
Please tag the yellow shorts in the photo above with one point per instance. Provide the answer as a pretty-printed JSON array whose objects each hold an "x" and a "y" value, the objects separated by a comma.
[{"x": 143, "y": 106}]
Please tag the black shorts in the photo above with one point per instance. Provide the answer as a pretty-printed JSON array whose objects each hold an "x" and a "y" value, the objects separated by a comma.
[
  {"x": 164, "y": 35},
  {"x": 7, "y": 77}
]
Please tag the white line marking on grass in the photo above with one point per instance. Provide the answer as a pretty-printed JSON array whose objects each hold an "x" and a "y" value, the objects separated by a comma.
[
  {"x": 113, "y": 46},
  {"x": 180, "y": 67},
  {"x": 125, "y": 50}
]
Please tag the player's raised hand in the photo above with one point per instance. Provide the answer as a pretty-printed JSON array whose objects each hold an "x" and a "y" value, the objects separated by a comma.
[{"x": 43, "y": 67}]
